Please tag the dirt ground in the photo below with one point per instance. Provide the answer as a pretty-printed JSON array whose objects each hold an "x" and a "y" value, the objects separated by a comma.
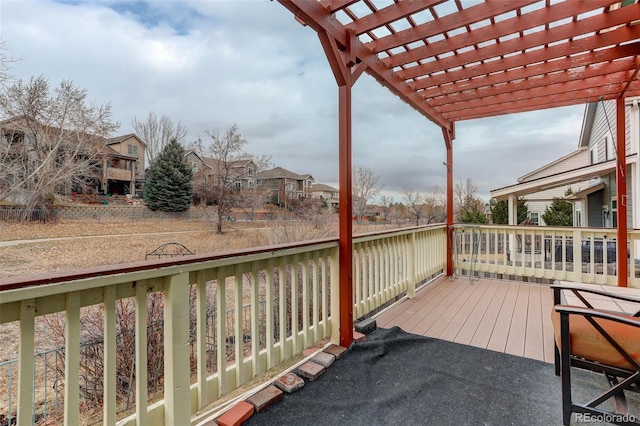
[{"x": 75, "y": 245}]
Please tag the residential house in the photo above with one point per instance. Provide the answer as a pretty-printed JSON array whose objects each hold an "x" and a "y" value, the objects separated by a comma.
[
  {"x": 326, "y": 193},
  {"x": 590, "y": 172},
  {"x": 239, "y": 174},
  {"x": 119, "y": 161},
  {"x": 123, "y": 169},
  {"x": 285, "y": 184}
]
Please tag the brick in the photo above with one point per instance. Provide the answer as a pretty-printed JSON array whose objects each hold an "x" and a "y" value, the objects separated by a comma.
[
  {"x": 237, "y": 415},
  {"x": 366, "y": 326},
  {"x": 309, "y": 351},
  {"x": 358, "y": 337},
  {"x": 311, "y": 370},
  {"x": 336, "y": 350},
  {"x": 289, "y": 382},
  {"x": 265, "y": 398},
  {"x": 324, "y": 359}
]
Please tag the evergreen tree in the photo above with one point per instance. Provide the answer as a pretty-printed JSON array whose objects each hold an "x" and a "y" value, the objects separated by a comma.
[
  {"x": 559, "y": 213},
  {"x": 500, "y": 211},
  {"x": 472, "y": 214},
  {"x": 169, "y": 187}
]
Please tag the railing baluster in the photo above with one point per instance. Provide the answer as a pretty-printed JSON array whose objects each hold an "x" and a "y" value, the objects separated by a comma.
[
  {"x": 221, "y": 331},
  {"x": 177, "y": 398},
  {"x": 269, "y": 323},
  {"x": 26, "y": 368},
  {"x": 72, "y": 360},
  {"x": 141, "y": 352},
  {"x": 201, "y": 338},
  {"x": 255, "y": 322},
  {"x": 110, "y": 351}
]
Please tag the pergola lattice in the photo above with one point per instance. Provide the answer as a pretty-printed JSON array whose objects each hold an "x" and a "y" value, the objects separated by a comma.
[{"x": 454, "y": 60}]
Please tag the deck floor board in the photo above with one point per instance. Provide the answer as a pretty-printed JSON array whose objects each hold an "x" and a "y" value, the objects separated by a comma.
[{"x": 500, "y": 315}]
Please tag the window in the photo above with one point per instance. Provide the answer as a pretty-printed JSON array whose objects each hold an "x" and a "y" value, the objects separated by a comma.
[
  {"x": 534, "y": 217},
  {"x": 250, "y": 171},
  {"x": 593, "y": 156},
  {"x": 132, "y": 150},
  {"x": 259, "y": 182},
  {"x": 238, "y": 184},
  {"x": 614, "y": 213},
  {"x": 609, "y": 150}
]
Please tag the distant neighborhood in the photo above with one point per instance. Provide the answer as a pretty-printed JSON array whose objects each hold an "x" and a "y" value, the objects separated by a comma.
[{"x": 116, "y": 167}]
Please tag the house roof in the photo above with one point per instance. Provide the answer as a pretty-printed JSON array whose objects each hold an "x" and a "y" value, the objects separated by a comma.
[
  {"x": 322, "y": 187},
  {"x": 568, "y": 157},
  {"x": 281, "y": 173},
  {"x": 568, "y": 177},
  {"x": 454, "y": 60},
  {"x": 119, "y": 139}
]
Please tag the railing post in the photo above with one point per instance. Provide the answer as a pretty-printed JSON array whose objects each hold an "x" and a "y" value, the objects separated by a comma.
[
  {"x": 177, "y": 407},
  {"x": 26, "y": 367},
  {"x": 335, "y": 299},
  {"x": 577, "y": 255},
  {"x": 411, "y": 266}
]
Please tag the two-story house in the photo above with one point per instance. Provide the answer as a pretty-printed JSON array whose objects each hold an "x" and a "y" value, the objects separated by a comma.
[
  {"x": 123, "y": 167},
  {"x": 239, "y": 174},
  {"x": 326, "y": 193},
  {"x": 285, "y": 184},
  {"x": 590, "y": 172},
  {"x": 113, "y": 165}
]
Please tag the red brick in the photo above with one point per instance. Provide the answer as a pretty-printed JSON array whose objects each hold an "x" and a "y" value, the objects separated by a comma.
[
  {"x": 358, "y": 337},
  {"x": 309, "y": 351},
  {"x": 311, "y": 370},
  {"x": 237, "y": 415},
  {"x": 265, "y": 398},
  {"x": 336, "y": 350}
]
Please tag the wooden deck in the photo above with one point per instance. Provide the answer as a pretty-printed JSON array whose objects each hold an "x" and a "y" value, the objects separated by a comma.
[{"x": 500, "y": 315}]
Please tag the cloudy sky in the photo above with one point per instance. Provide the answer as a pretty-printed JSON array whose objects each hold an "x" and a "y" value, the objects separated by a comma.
[{"x": 212, "y": 64}]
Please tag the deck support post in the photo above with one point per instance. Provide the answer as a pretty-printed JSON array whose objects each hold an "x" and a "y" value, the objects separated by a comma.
[
  {"x": 346, "y": 70},
  {"x": 448, "y": 141},
  {"x": 621, "y": 193}
]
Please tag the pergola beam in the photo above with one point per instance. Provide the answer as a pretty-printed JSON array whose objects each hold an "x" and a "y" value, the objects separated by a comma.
[
  {"x": 495, "y": 31},
  {"x": 591, "y": 64},
  {"x": 542, "y": 38},
  {"x": 467, "y": 16},
  {"x": 391, "y": 14}
]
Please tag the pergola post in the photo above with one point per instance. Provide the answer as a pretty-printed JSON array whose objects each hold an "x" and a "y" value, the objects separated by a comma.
[
  {"x": 346, "y": 71},
  {"x": 448, "y": 141},
  {"x": 621, "y": 193}
]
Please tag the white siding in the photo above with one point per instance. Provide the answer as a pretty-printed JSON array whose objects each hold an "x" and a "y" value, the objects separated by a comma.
[{"x": 573, "y": 161}]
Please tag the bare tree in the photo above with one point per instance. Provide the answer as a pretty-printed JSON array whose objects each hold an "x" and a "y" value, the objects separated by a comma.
[
  {"x": 386, "y": 202},
  {"x": 52, "y": 142},
  {"x": 414, "y": 202},
  {"x": 464, "y": 194},
  {"x": 435, "y": 209},
  {"x": 364, "y": 187},
  {"x": 218, "y": 182},
  {"x": 156, "y": 132}
]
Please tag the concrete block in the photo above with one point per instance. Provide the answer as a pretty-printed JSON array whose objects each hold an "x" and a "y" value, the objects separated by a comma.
[
  {"x": 289, "y": 382},
  {"x": 366, "y": 326},
  {"x": 324, "y": 359}
]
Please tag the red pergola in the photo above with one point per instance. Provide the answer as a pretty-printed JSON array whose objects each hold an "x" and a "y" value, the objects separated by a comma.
[{"x": 454, "y": 60}]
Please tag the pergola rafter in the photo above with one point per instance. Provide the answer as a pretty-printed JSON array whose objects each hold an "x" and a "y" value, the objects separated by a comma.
[{"x": 454, "y": 60}]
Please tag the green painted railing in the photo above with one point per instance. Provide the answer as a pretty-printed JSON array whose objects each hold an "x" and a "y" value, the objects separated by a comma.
[{"x": 288, "y": 291}]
